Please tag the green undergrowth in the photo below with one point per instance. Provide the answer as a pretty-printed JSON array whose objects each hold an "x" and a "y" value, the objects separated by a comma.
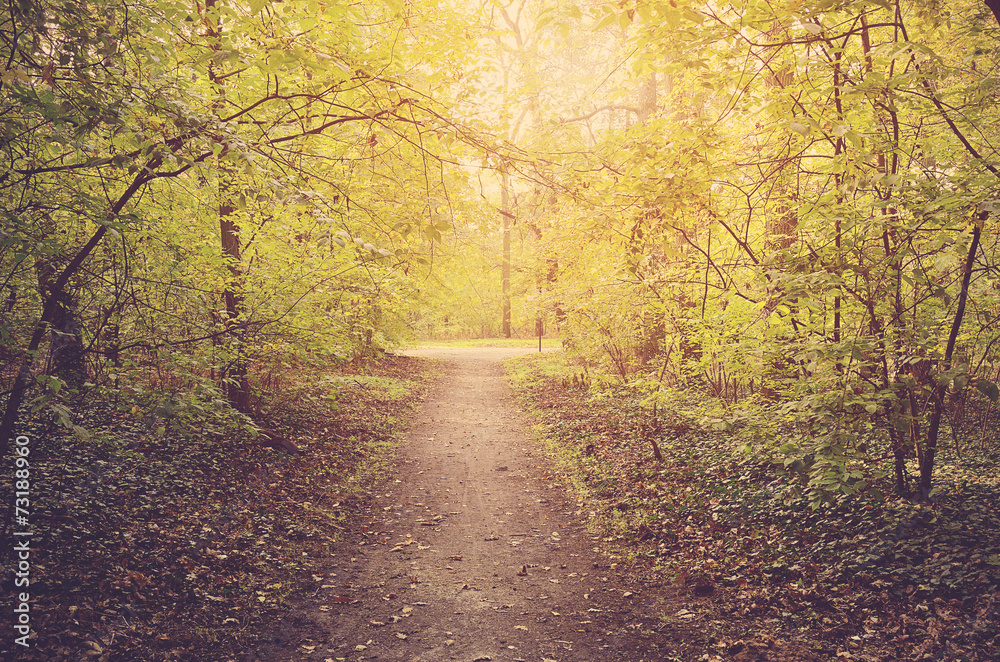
[
  {"x": 163, "y": 545},
  {"x": 710, "y": 513},
  {"x": 388, "y": 389}
]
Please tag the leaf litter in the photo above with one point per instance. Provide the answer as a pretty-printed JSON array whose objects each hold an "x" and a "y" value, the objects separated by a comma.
[
  {"x": 868, "y": 578},
  {"x": 187, "y": 546}
]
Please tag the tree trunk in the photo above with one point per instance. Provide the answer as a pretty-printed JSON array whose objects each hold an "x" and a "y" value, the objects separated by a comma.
[
  {"x": 505, "y": 212},
  {"x": 236, "y": 386},
  {"x": 66, "y": 351},
  {"x": 930, "y": 448}
]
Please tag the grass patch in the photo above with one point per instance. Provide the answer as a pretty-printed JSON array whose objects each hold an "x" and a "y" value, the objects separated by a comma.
[
  {"x": 529, "y": 370},
  {"x": 488, "y": 342},
  {"x": 388, "y": 389}
]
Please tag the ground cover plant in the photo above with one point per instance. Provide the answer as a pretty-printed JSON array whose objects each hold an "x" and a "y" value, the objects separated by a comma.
[
  {"x": 170, "y": 546},
  {"x": 869, "y": 576}
]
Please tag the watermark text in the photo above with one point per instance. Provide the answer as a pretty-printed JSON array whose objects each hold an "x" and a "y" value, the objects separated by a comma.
[{"x": 22, "y": 540}]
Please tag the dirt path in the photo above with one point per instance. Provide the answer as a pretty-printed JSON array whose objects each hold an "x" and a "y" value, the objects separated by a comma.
[{"x": 474, "y": 554}]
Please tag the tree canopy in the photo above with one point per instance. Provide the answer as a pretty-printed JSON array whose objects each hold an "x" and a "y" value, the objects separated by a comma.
[{"x": 792, "y": 207}]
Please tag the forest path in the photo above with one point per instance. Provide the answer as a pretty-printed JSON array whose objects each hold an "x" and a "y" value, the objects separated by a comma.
[{"x": 473, "y": 553}]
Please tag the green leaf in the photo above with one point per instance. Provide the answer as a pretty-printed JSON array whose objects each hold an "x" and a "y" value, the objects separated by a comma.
[
  {"x": 606, "y": 21},
  {"x": 988, "y": 388},
  {"x": 799, "y": 127},
  {"x": 256, "y": 6}
]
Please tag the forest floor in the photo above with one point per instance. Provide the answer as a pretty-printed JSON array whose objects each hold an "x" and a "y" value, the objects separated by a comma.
[
  {"x": 476, "y": 537},
  {"x": 869, "y": 577},
  {"x": 189, "y": 542},
  {"x": 476, "y": 551}
]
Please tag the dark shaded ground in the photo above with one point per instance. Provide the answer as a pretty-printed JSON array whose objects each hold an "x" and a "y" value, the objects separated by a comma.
[{"x": 189, "y": 545}]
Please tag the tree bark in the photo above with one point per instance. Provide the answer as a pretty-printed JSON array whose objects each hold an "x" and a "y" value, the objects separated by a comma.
[
  {"x": 505, "y": 213},
  {"x": 237, "y": 385},
  {"x": 930, "y": 448},
  {"x": 66, "y": 351},
  {"x": 994, "y": 6}
]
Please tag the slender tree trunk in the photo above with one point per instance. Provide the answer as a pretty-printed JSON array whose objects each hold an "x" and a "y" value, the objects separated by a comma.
[
  {"x": 237, "y": 388},
  {"x": 647, "y": 98},
  {"x": 930, "y": 447},
  {"x": 505, "y": 212}
]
